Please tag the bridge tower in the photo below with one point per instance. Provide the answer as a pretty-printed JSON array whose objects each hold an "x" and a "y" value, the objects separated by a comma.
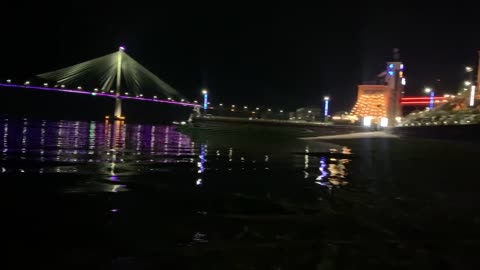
[{"x": 118, "y": 102}]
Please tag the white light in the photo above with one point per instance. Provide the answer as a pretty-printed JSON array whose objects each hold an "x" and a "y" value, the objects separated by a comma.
[
  {"x": 141, "y": 95},
  {"x": 183, "y": 123},
  {"x": 195, "y": 101},
  {"x": 446, "y": 95},
  {"x": 79, "y": 87},
  {"x": 126, "y": 93},
  {"x": 401, "y": 66},
  {"x": 122, "y": 48},
  {"x": 326, "y": 98},
  {"x": 221, "y": 104},
  {"x": 233, "y": 106},
  {"x": 169, "y": 98},
  {"x": 45, "y": 84},
  {"x": 257, "y": 109},
  {"x": 404, "y": 81},
  {"x": 367, "y": 121},
  {"x": 182, "y": 100},
  {"x": 398, "y": 119},
  {"x": 428, "y": 90},
  {"x": 281, "y": 111},
  {"x": 269, "y": 110},
  {"x": 472, "y": 96},
  {"x": 9, "y": 81},
  {"x": 245, "y": 107},
  {"x": 468, "y": 69},
  {"x": 468, "y": 83},
  {"x": 309, "y": 111},
  {"x": 27, "y": 83},
  {"x": 155, "y": 97},
  {"x": 204, "y": 91},
  {"x": 384, "y": 122},
  {"x": 62, "y": 86},
  {"x": 111, "y": 91},
  {"x": 96, "y": 89}
]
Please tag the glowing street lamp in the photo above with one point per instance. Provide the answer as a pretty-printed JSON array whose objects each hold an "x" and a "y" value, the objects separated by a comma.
[
  {"x": 468, "y": 83},
  {"x": 326, "y": 100},
  {"x": 430, "y": 91},
  {"x": 472, "y": 96},
  {"x": 468, "y": 69},
  {"x": 205, "y": 99}
]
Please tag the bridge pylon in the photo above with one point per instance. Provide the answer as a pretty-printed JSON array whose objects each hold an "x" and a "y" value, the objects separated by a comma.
[{"x": 118, "y": 102}]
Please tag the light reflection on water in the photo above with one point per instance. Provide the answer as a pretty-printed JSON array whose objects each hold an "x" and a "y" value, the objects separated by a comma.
[{"x": 110, "y": 157}]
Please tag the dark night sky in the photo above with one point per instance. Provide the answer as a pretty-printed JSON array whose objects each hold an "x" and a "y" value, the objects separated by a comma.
[{"x": 285, "y": 57}]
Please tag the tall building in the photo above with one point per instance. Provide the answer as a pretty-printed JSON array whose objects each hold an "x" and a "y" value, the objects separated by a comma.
[{"x": 382, "y": 100}]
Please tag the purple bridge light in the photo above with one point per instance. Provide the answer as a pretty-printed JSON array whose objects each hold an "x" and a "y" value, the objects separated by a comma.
[{"x": 100, "y": 94}]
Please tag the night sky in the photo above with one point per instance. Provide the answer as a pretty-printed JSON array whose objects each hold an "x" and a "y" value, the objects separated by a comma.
[{"x": 281, "y": 56}]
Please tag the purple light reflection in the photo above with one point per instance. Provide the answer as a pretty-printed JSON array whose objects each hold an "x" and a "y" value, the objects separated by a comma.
[{"x": 99, "y": 94}]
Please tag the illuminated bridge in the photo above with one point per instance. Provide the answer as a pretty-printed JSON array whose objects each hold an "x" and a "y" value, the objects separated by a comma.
[{"x": 115, "y": 75}]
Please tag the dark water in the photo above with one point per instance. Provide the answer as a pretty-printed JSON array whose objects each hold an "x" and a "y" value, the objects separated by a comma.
[{"x": 122, "y": 196}]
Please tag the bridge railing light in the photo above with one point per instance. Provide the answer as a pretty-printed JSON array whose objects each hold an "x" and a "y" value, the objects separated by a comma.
[
  {"x": 111, "y": 91},
  {"x": 195, "y": 101},
  {"x": 154, "y": 97},
  {"x": 79, "y": 87},
  {"x": 45, "y": 84},
  {"x": 62, "y": 86},
  {"x": 9, "y": 81},
  {"x": 126, "y": 93},
  {"x": 182, "y": 100},
  {"x": 141, "y": 95},
  {"x": 96, "y": 89},
  {"x": 27, "y": 83}
]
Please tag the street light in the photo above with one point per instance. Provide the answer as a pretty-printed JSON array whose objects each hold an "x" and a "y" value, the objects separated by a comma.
[
  {"x": 430, "y": 91},
  {"x": 472, "y": 96},
  {"x": 326, "y": 99},
  {"x": 468, "y": 83},
  {"x": 205, "y": 100},
  {"x": 468, "y": 69}
]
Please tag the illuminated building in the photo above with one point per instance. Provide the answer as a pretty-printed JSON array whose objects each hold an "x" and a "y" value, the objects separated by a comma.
[{"x": 382, "y": 100}]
